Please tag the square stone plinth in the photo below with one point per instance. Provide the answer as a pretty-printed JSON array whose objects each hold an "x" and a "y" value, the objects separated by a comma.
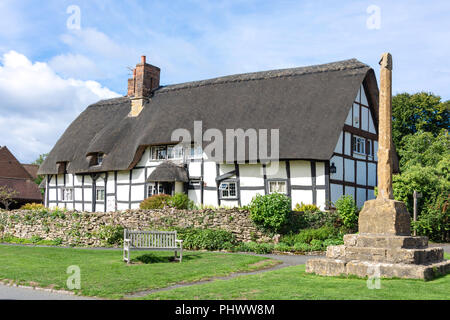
[{"x": 384, "y": 217}]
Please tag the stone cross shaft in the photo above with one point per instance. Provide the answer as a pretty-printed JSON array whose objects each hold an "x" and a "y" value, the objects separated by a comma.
[{"x": 385, "y": 143}]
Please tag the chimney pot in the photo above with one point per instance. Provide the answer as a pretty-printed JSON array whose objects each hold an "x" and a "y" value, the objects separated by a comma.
[{"x": 143, "y": 59}]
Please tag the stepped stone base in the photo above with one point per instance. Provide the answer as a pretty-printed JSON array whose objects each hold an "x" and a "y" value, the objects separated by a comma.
[
  {"x": 384, "y": 256},
  {"x": 383, "y": 248}
]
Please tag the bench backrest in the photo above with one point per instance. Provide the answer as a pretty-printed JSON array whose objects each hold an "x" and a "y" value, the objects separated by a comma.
[{"x": 151, "y": 239}]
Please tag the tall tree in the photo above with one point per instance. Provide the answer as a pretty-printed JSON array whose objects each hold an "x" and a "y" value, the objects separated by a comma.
[{"x": 420, "y": 111}]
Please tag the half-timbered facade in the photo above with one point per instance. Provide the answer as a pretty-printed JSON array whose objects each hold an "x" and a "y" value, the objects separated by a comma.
[{"x": 120, "y": 151}]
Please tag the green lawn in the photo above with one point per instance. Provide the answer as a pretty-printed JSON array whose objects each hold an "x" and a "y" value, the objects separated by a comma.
[
  {"x": 294, "y": 283},
  {"x": 103, "y": 273}
]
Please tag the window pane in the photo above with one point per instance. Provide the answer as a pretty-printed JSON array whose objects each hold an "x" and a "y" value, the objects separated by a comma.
[
  {"x": 232, "y": 189},
  {"x": 149, "y": 191},
  {"x": 100, "y": 194},
  {"x": 170, "y": 152},
  {"x": 272, "y": 186}
]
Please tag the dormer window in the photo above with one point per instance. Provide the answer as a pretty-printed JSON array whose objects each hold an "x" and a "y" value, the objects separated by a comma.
[
  {"x": 99, "y": 159},
  {"x": 96, "y": 159}
]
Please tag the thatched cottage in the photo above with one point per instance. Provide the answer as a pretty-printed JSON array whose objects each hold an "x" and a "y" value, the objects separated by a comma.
[{"x": 120, "y": 151}]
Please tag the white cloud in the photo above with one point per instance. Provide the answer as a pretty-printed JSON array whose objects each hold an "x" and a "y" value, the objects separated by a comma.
[
  {"x": 37, "y": 105},
  {"x": 75, "y": 65}
]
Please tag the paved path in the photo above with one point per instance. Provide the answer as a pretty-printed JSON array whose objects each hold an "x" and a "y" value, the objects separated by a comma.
[{"x": 17, "y": 293}]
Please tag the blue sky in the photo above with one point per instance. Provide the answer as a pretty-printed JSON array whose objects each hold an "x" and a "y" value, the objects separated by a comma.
[{"x": 50, "y": 73}]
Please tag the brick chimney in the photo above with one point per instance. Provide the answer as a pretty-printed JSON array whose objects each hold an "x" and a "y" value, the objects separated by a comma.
[{"x": 145, "y": 80}]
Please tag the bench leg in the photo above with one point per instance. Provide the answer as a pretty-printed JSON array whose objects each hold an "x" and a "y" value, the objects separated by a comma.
[{"x": 126, "y": 252}]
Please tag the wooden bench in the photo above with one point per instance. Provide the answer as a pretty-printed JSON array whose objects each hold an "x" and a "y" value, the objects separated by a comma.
[{"x": 151, "y": 240}]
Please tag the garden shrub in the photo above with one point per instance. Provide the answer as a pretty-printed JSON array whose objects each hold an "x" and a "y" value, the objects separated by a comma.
[
  {"x": 318, "y": 219},
  {"x": 157, "y": 201},
  {"x": 434, "y": 221},
  {"x": 260, "y": 248},
  {"x": 270, "y": 211},
  {"x": 348, "y": 211},
  {"x": 32, "y": 206},
  {"x": 208, "y": 239},
  {"x": 307, "y": 235},
  {"x": 306, "y": 207},
  {"x": 180, "y": 201},
  {"x": 111, "y": 235}
]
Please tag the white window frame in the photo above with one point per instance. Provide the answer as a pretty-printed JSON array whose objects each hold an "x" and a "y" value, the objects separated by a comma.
[
  {"x": 154, "y": 189},
  {"x": 277, "y": 184},
  {"x": 176, "y": 151},
  {"x": 225, "y": 187},
  {"x": 67, "y": 194},
  {"x": 154, "y": 152},
  {"x": 97, "y": 189},
  {"x": 361, "y": 142}
]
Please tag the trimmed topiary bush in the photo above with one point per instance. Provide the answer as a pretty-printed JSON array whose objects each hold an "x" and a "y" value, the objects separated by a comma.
[
  {"x": 271, "y": 211},
  {"x": 157, "y": 201}
]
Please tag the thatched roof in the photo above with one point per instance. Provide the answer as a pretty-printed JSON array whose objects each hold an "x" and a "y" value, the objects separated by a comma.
[
  {"x": 168, "y": 172},
  {"x": 308, "y": 105}
]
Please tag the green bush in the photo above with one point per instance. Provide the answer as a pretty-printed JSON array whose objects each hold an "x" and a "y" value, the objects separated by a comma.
[
  {"x": 434, "y": 221},
  {"x": 111, "y": 235},
  {"x": 316, "y": 219},
  {"x": 348, "y": 211},
  {"x": 270, "y": 211},
  {"x": 260, "y": 248},
  {"x": 307, "y": 235},
  {"x": 208, "y": 239},
  {"x": 157, "y": 201},
  {"x": 32, "y": 206},
  {"x": 180, "y": 201},
  {"x": 306, "y": 207}
]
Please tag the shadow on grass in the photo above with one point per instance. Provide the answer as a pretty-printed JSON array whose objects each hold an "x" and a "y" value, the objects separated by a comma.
[{"x": 149, "y": 258}]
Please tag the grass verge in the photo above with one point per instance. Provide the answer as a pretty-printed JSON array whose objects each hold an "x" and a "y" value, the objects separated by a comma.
[
  {"x": 103, "y": 274},
  {"x": 294, "y": 283}
]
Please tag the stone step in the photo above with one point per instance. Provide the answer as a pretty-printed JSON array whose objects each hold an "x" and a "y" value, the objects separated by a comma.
[
  {"x": 336, "y": 267},
  {"x": 383, "y": 241},
  {"x": 387, "y": 255}
]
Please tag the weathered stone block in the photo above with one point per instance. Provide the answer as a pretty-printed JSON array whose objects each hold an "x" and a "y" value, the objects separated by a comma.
[
  {"x": 336, "y": 252},
  {"x": 384, "y": 216},
  {"x": 326, "y": 267},
  {"x": 385, "y": 241}
]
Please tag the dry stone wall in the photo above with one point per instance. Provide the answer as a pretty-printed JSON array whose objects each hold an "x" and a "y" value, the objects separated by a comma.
[{"x": 89, "y": 228}]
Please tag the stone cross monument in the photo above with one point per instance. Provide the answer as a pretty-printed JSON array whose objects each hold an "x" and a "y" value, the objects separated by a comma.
[
  {"x": 385, "y": 130},
  {"x": 384, "y": 246}
]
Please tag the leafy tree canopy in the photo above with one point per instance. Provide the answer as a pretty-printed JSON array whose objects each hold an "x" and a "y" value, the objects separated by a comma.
[{"x": 420, "y": 111}]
